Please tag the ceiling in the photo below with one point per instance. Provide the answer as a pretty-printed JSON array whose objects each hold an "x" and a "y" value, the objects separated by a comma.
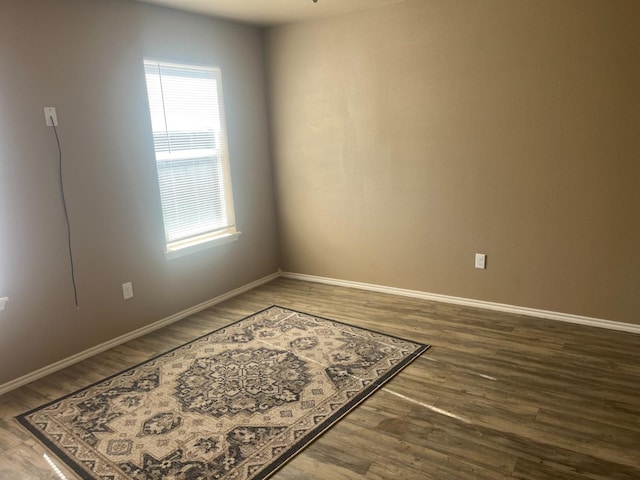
[{"x": 271, "y": 12}]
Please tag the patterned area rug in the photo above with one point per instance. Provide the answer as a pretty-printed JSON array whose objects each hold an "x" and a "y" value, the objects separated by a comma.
[{"x": 234, "y": 404}]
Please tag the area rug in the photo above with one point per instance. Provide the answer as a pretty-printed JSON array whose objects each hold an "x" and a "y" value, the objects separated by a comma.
[{"x": 236, "y": 403}]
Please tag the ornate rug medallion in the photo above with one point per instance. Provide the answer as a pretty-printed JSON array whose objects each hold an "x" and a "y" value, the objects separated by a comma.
[{"x": 234, "y": 404}]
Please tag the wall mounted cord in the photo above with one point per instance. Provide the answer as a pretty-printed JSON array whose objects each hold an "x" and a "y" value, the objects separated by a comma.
[{"x": 66, "y": 215}]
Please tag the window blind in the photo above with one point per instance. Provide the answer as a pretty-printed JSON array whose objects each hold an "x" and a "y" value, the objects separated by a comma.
[{"x": 189, "y": 139}]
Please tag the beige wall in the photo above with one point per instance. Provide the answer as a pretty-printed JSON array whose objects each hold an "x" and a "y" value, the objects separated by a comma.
[
  {"x": 85, "y": 58},
  {"x": 407, "y": 138}
]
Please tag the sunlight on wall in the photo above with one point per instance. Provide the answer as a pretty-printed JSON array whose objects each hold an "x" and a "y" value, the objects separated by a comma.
[
  {"x": 4, "y": 189},
  {"x": 3, "y": 215},
  {"x": 3, "y": 242}
]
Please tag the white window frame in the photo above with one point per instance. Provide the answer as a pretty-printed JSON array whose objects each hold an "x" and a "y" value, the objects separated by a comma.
[{"x": 193, "y": 234}]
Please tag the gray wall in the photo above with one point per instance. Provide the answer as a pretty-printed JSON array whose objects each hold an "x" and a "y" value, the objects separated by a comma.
[
  {"x": 409, "y": 137},
  {"x": 405, "y": 139},
  {"x": 85, "y": 58}
]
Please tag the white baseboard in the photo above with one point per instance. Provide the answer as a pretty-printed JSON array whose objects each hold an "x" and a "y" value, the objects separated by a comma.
[
  {"x": 501, "y": 307},
  {"x": 531, "y": 312},
  {"x": 78, "y": 357}
]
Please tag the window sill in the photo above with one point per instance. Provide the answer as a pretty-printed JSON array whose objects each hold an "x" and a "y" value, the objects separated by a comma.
[{"x": 181, "y": 249}]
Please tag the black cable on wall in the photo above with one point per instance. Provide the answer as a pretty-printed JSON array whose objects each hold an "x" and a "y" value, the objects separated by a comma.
[{"x": 66, "y": 214}]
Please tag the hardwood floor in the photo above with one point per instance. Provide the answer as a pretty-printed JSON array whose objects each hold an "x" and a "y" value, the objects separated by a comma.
[{"x": 497, "y": 396}]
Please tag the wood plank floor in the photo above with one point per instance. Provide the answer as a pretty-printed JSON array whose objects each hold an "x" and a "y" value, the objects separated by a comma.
[{"x": 497, "y": 396}]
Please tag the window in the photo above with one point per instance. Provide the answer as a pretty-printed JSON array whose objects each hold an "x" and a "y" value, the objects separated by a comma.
[{"x": 189, "y": 138}]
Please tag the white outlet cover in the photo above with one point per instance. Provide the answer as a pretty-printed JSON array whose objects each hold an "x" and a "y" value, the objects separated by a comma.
[
  {"x": 127, "y": 290},
  {"x": 49, "y": 113},
  {"x": 3, "y": 302},
  {"x": 481, "y": 261}
]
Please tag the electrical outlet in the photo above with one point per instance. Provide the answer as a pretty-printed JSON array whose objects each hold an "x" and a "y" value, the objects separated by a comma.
[
  {"x": 127, "y": 290},
  {"x": 481, "y": 261},
  {"x": 50, "y": 116},
  {"x": 3, "y": 302}
]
